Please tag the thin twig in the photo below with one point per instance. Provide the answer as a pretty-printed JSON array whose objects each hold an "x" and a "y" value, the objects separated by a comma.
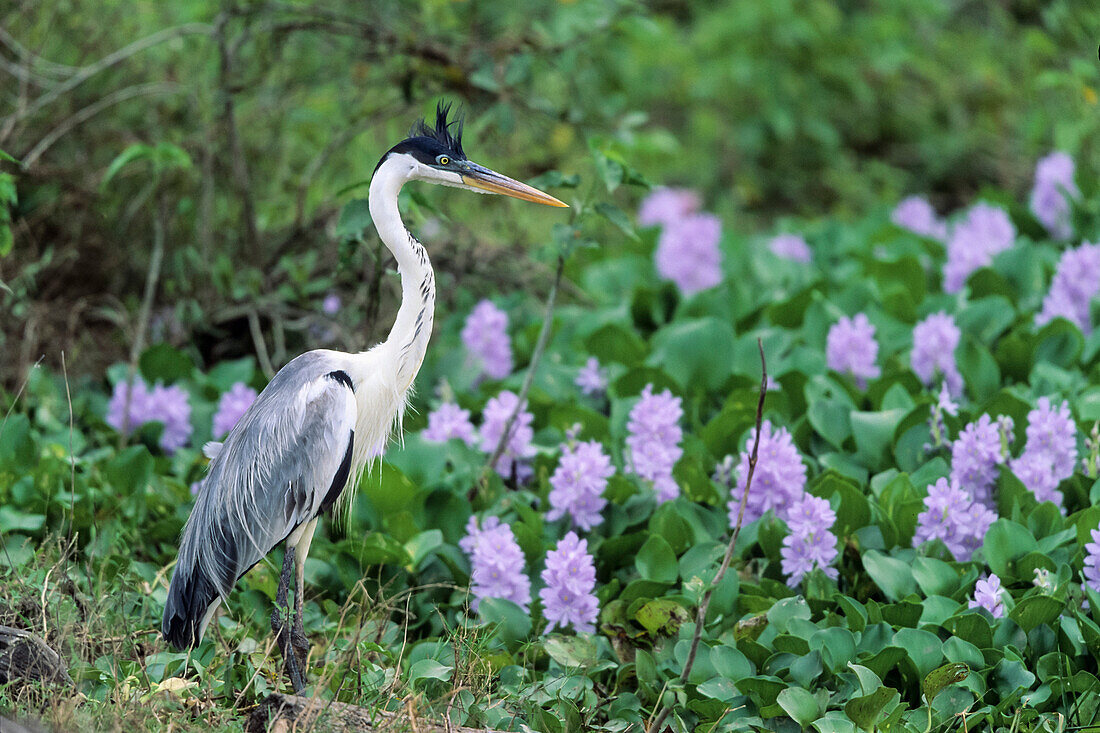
[
  {"x": 261, "y": 346},
  {"x": 536, "y": 357},
  {"x": 701, "y": 612},
  {"x": 72, "y": 458},
  {"x": 228, "y": 115},
  {"x": 144, "y": 315},
  {"x": 120, "y": 95},
  {"x": 110, "y": 60}
]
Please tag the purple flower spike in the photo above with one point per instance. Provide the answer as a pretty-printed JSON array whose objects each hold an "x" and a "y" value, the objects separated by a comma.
[
  {"x": 987, "y": 595},
  {"x": 653, "y": 445},
  {"x": 578, "y": 483},
  {"x": 667, "y": 205},
  {"x": 791, "y": 247},
  {"x": 934, "y": 342},
  {"x": 570, "y": 577},
  {"x": 231, "y": 407},
  {"x": 1091, "y": 570},
  {"x": 497, "y": 562},
  {"x": 450, "y": 421},
  {"x": 809, "y": 544},
  {"x": 974, "y": 241},
  {"x": 850, "y": 348},
  {"x": 591, "y": 379},
  {"x": 952, "y": 517},
  {"x": 688, "y": 255},
  {"x": 1076, "y": 282},
  {"x": 917, "y": 215},
  {"x": 1053, "y": 191},
  {"x": 518, "y": 448},
  {"x": 975, "y": 455},
  {"x": 779, "y": 480},
  {"x": 485, "y": 336},
  {"x": 166, "y": 405}
]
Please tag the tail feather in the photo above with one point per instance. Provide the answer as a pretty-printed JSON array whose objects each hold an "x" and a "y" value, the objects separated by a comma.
[{"x": 191, "y": 598}]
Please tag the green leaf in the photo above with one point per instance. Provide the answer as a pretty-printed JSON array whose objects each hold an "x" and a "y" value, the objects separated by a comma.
[
  {"x": 616, "y": 216},
  {"x": 800, "y": 704},
  {"x": 613, "y": 343},
  {"x": 661, "y": 616},
  {"x": 1004, "y": 542},
  {"x": 831, "y": 419},
  {"x": 572, "y": 651},
  {"x": 130, "y": 471},
  {"x": 865, "y": 710},
  {"x": 874, "y": 432},
  {"x": 939, "y": 679},
  {"x": 719, "y": 688},
  {"x": 429, "y": 669},
  {"x": 13, "y": 520},
  {"x": 695, "y": 352},
  {"x": 656, "y": 561},
  {"x": 1035, "y": 611},
  {"x": 893, "y": 576},
  {"x": 354, "y": 219},
  {"x": 165, "y": 363},
  {"x": 935, "y": 577},
  {"x": 512, "y": 623}
]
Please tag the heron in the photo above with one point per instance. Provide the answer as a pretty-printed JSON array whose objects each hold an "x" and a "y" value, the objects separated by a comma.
[{"x": 300, "y": 448}]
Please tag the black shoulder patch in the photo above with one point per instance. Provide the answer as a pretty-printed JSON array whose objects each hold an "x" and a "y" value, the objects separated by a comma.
[
  {"x": 342, "y": 377},
  {"x": 341, "y": 477}
]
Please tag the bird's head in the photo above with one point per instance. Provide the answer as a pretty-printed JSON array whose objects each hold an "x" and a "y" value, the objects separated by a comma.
[{"x": 434, "y": 154}]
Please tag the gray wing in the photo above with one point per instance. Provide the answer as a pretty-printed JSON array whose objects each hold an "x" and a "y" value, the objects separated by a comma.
[{"x": 285, "y": 461}]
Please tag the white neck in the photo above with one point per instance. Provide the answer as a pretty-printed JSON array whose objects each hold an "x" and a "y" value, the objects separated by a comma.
[{"x": 408, "y": 339}]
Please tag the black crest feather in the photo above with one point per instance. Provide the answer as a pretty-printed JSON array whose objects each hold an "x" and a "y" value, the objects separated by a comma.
[{"x": 442, "y": 133}]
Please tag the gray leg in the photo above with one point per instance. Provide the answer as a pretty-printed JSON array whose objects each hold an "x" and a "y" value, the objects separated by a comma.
[{"x": 284, "y": 633}]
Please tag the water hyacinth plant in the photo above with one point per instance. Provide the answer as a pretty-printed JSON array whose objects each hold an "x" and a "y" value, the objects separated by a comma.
[{"x": 555, "y": 539}]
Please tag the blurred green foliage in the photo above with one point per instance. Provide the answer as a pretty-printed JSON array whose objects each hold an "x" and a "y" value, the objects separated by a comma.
[{"x": 771, "y": 109}]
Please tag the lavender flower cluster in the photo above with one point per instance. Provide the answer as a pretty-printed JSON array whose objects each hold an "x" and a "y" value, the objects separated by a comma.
[
  {"x": 451, "y": 421},
  {"x": 570, "y": 578},
  {"x": 578, "y": 483},
  {"x": 1076, "y": 282},
  {"x": 497, "y": 561},
  {"x": 850, "y": 348},
  {"x": 917, "y": 215},
  {"x": 989, "y": 594},
  {"x": 809, "y": 543},
  {"x": 1091, "y": 569},
  {"x": 934, "y": 342},
  {"x": 485, "y": 335},
  {"x": 687, "y": 248},
  {"x": 984, "y": 232},
  {"x": 779, "y": 480},
  {"x": 231, "y": 407},
  {"x": 975, "y": 455},
  {"x": 791, "y": 247},
  {"x": 1053, "y": 192},
  {"x": 1050, "y": 455},
  {"x": 954, "y": 518},
  {"x": 129, "y": 409},
  {"x": 591, "y": 379},
  {"x": 498, "y": 570},
  {"x": 653, "y": 443}
]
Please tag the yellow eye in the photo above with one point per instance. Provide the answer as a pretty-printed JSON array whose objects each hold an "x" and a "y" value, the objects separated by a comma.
[{"x": 443, "y": 160}]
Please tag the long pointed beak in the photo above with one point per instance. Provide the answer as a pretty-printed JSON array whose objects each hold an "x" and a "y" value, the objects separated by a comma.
[{"x": 482, "y": 178}]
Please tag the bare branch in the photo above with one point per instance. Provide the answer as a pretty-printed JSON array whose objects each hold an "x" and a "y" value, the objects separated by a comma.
[
  {"x": 536, "y": 357},
  {"x": 701, "y": 612},
  {"x": 110, "y": 60},
  {"x": 120, "y": 95}
]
